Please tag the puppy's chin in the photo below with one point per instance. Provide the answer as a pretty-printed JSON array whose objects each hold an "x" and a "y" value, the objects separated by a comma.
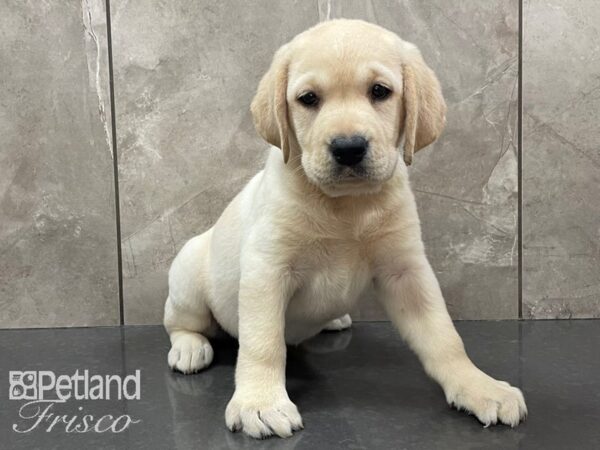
[{"x": 350, "y": 188}]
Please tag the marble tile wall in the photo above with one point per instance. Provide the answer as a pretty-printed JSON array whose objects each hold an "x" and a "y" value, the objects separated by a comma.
[
  {"x": 184, "y": 75},
  {"x": 561, "y": 159},
  {"x": 58, "y": 246},
  {"x": 184, "y": 79}
]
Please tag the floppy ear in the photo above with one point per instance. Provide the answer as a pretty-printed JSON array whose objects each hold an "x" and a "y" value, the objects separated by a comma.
[
  {"x": 269, "y": 107},
  {"x": 424, "y": 106}
]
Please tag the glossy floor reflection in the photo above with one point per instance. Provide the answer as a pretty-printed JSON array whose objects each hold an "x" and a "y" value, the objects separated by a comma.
[{"x": 357, "y": 389}]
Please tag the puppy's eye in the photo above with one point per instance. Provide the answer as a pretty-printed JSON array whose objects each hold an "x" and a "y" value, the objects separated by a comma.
[
  {"x": 380, "y": 92},
  {"x": 309, "y": 99}
]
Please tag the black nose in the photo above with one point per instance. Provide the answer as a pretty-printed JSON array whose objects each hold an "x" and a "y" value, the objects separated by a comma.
[{"x": 349, "y": 151}]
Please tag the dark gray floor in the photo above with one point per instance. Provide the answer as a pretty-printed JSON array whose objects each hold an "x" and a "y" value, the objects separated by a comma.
[{"x": 360, "y": 388}]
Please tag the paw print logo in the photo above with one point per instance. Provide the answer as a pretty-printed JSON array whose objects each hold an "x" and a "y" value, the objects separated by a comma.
[{"x": 23, "y": 385}]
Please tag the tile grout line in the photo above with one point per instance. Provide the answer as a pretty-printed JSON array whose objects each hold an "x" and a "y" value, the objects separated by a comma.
[
  {"x": 115, "y": 161},
  {"x": 520, "y": 161}
]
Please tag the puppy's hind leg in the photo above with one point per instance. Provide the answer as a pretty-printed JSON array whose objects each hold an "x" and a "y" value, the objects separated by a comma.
[{"x": 187, "y": 317}]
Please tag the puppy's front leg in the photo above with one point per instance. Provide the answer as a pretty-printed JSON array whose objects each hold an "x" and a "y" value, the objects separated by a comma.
[
  {"x": 411, "y": 295},
  {"x": 260, "y": 405}
]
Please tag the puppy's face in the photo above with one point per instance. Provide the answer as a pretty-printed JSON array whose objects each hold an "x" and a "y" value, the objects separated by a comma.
[
  {"x": 344, "y": 105},
  {"x": 339, "y": 98}
]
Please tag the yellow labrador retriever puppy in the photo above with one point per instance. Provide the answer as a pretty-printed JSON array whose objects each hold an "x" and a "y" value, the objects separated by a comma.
[{"x": 331, "y": 213}]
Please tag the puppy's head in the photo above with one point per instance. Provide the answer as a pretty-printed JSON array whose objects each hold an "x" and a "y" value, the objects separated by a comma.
[{"x": 341, "y": 97}]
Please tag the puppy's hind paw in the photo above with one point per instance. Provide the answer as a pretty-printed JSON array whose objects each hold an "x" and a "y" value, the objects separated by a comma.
[
  {"x": 341, "y": 323},
  {"x": 190, "y": 352}
]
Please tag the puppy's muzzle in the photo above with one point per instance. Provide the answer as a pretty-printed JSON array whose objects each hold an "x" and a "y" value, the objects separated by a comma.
[{"x": 349, "y": 151}]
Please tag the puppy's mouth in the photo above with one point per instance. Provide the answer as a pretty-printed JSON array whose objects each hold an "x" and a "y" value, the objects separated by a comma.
[
  {"x": 337, "y": 180},
  {"x": 354, "y": 174},
  {"x": 350, "y": 181}
]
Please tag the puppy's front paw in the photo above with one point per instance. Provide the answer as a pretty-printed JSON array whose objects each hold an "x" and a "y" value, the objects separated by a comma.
[
  {"x": 261, "y": 416},
  {"x": 490, "y": 400},
  {"x": 190, "y": 352}
]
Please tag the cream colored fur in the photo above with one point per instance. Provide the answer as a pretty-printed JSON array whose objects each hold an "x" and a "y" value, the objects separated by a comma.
[{"x": 293, "y": 252}]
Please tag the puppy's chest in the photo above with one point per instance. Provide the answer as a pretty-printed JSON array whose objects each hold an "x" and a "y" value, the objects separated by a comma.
[{"x": 331, "y": 274}]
